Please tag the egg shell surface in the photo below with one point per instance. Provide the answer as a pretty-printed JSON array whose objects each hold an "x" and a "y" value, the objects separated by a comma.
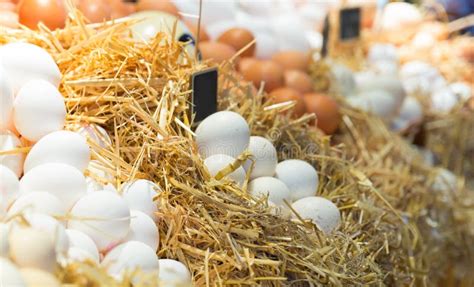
[
  {"x": 265, "y": 157},
  {"x": 299, "y": 176},
  {"x": 143, "y": 229},
  {"x": 140, "y": 194},
  {"x": 174, "y": 273},
  {"x": 275, "y": 189},
  {"x": 14, "y": 161},
  {"x": 6, "y": 98},
  {"x": 39, "y": 278},
  {"x": 9, "y": 187},
  {"x": 218, "y": 162},
  {"x": 11, "y": 276},
  {"x": 320, "y": 211},
  {"x": 82, "y": 241},
  {"x": 38, "y": 202}
]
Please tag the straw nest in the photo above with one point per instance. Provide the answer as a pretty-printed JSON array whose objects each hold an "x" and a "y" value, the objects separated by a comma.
[{"x": 395, "y": 229}]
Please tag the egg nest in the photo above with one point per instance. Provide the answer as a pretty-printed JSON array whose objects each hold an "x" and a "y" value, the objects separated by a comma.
[{"x": 395, "y": 229}]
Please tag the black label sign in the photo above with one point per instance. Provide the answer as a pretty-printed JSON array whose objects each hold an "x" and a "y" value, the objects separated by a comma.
[
  {"x": 324, "y": 49},
  {"x": 204, "y": 93},
  {"x": 349, "y": 20}
]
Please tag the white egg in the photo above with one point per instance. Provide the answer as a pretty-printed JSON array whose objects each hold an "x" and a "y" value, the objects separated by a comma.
[
  {"x": 174, "y": 273},
  {"x": 98, "y": 177},
  {"x": 24, "y": 62},
  {"x": 59, "y": 147},
  {"x": 4, "y": 245},
  {"x": 462, "y": 90},
  {"x": 218, "y": 162},
  {"x": 140, "y": 194},
  {"x": 342, "y": 81},
  {"x": 11, "y": 276},
  {"x": 102, "y": 215},
  {"x": 39, "y": 109},
  {"x": 222, "y": 133},
  {"x": 398, "y": 14},
  {"x": 48, "y": 224},
  {"x": 265, "y": 157},
  {"x": 320, "y": 211},
  {"x": 275, "y": 189},
  {"x": 411, "y": 112},
  {"x": 130, "y": 256},
  {"x": 267, "y": 45},
  {"x": 382, "y": 52},
  {"x": 39, "y": 278},
  {"x": 33, "y": 248},
  {"x": 289, "y": 30},
  {"x": 38, "y": 202},
  {"x": 97, "y": 134},
  {"x": 82, "y": 241},
  {"x": 143, "y": 229},
  {"x": 423, "y": 40},
  {"x": 421, "y": 77},
  {"x": 6, "y": 98},
  {"x": 443, "y": 100},
  {"x": 14, "y": 161},
  {"x": 299, "y": 176},
  {"x": 76, "y": 254},
  {"x": 385, "y": 68},
  {"x": 64, "y": 181},
  {"x": 388, "y": 83},
  {"x": 9, "y": 187},
  {"x": 378, "y": 102},
  {"x": 445, "y": 180}
]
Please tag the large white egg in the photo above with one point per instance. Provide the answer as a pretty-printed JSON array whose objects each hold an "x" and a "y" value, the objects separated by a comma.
[
  {"x": 389, "y": 83},
  {"x": 445, "y": 181},
  {"x": 10, "y": 275},
  {"x": 60, "y": 147},
  {"x": 275, "y": 189},
  {"x": 14, "y": 161},
  {"x": 102, "y": 215},
  {"x": 222, "y": 133},
  {"x": 143, "y": 229},
  {"x": 320, "y": 211},
  {"x": 33, "y": 248},
  {"x": 218, "y": 162},
  {"x": 24, "y": 62},
  {"x": 174, "y": 273},
  {"x": 9, "y": 187},
  {"x": 267, "y": 45},
  {"x": 411, "y": 112},
  {"x": 265, "y": 157},
  {"x": 48, "y": 224},
  {"x": 289, "y": 30},
  {"x": 382, "y": 52},
  {"x": 421, "y": 77},
  {"x": 4, "y": 245},
  {"x": 462, "y": 90},
  {"x": 96, "y": 134},
  {"x": 38, "y": 202},
  {"x": 343, "y": 80},
  {"x": 299, "y": 176},
  {"x": 39, "y": 109},
  {"x": 6, "y": 98},
  {"x": 398, "y": 14},
  {"x": 39, "y": 278},
  {"x": 379, "y": 102},
  {"x": 443, "y": 100},
  {"x": 62, "y": 180},
  {"x": 140, "y": 194},
  {"x": 130, "y": 256},
  {"x": 82, "y": 241}
]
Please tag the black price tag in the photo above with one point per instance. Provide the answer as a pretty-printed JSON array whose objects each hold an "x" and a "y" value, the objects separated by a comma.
[
  {"x": 324, "y": 48},
  {"x": 349, "y": 20},
  {"x": 204, "y": 93}
]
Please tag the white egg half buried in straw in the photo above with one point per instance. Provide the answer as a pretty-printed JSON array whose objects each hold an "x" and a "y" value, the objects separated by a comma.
[
  {"x": 130, "y": 256},
  {"x": 174, "y": 273},
  {"x": 104, "y": 216},
  {"x": 217, "y": 162},
  {"x": 11, "y": 276},
  {"x": 143, "y": 229},
  {"x": 275, "y": 189},
  {"x": 38, "y": 202},
  {"x": 299, "y": 176},
  {"x": 139, "y": 195},
  {"x": 59, "y": 147},
  {"x": 9, "y": 187},
  {"x": 36, "y": 277},
  {"x": 265, "y": 157},
  {"x": 320, "y": 211},
  {"x": 62, "y": 180},
  {"x": 6, "y": 100},
  {"x": 82, "y": 241},
  {"x": 222, "y": 133},
  {"x": 25, "y": 62},
  {"x": 14, "y": 161}
]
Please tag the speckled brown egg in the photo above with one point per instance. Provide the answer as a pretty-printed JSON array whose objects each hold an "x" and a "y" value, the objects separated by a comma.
[
  {"x": 299, "y": 81},
  {"x": 265, "y": 71},
  {"x": 239, "y": 38},
  {"x": 160, "y": 5},
  {"x": 215, "y": 51},
  {"x": 326, "y": 110},
  {"x": 281, "y": 95},
  {"x": 292, "y": 60}
]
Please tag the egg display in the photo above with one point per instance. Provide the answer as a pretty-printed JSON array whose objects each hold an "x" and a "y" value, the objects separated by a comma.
[
  {"x": 217, "y": 162},
  {"x": 238, "y": 38},
  {"x": 320, "y": 211},
  {"x": 282, "y": 95},
  {"x": 326, "y": 110},
  {"x": 173, "y": 273},
  {"x": 299, "y": 176},
  {"x": 265, "y": 157}
]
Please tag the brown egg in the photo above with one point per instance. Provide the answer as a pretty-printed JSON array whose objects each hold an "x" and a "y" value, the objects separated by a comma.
[
  {"x": 203, "y": 36},
  {"x": 281, "y": 95},
  {"x": 245, "y": 63},
  {"x": 160, "y": 5},
  {"x": 292, "y": 60},
  {"x": 120, "y": 8},
  {"x": 265, "y": 71},
  {"x": 326, "y": 110},
  {"x": 51, "y": 12},
  {"x": 95, "y": 11},
  {"x": 299, "y": 81},
  {"x": 239, "y": 38},
  {"x": 215, "y": 51}
]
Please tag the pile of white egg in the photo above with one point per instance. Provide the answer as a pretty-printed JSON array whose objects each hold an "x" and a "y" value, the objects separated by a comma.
[
  {"x": 70, "y": 217},
  {"x": 223, "y": 136}
]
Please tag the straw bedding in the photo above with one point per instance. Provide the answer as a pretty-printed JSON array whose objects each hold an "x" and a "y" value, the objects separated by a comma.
[{"x": 395, "y": 229}]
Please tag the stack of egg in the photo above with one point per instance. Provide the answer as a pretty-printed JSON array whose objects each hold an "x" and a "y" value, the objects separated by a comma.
[
  {"x": 223, "y": 136},
  {"x": 70, "y": 217}
]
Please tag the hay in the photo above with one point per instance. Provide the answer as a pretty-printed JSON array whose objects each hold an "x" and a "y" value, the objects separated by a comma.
[{"x": 395, "y": 229}]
